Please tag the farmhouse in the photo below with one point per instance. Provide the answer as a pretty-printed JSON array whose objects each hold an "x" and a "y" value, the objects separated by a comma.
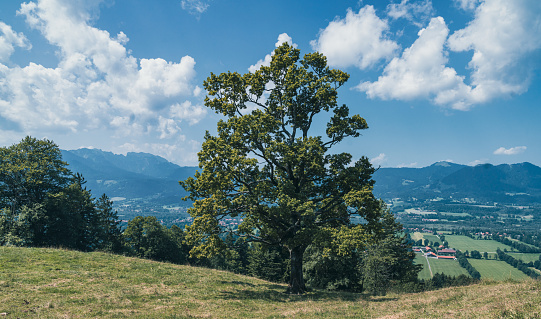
[{"x": 446, "y": 252}]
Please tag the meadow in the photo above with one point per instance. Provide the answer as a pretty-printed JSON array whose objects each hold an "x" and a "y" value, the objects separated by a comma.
[
  {"x": 50, "y": 283},
  {"x": 448, "y": 267},
  {"x": 496, "y": 270}
]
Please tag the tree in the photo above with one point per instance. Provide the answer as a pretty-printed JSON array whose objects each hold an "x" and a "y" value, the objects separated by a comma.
[
  {"x": 268, "y": 166},
  {"x": 145, "y": 237},
  {"x": 42, "y": 203},
  {"x": 30, "y": 172}
]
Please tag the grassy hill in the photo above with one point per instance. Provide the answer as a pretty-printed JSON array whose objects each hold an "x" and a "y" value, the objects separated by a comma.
[{"x": 50, "y": 283}]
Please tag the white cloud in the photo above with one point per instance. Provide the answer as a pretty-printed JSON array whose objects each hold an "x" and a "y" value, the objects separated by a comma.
[
  {"x": 503, "y": 36},
  {"x": 180, "y": 151},
  {"x": 97, "y": 82},
  {"x": 420, "y": 72},
  {"x": 379, "y": 160},
  {"x": 467, "y": 4},
  {"x": 357, "y": 40},
  {"x": 410, "y": 165},
  {"x": 283, "y": 37},
  {"x": 417, "y": 12},
  {"x": 9, "y": 39},
  {"x": 510, "y": 151},
  {"x": 195, "y": 7},
  {"x": 477, "y": 162}
]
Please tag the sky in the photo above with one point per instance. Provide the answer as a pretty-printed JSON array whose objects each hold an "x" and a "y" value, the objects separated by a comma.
[{"x": 436, "y": 81}]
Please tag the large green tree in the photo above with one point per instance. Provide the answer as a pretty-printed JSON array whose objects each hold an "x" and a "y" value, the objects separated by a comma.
[{"x": 268, "y": 165}]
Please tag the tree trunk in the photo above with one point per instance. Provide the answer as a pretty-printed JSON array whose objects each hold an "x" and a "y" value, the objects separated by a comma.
[{"x": 296, "y": 281}]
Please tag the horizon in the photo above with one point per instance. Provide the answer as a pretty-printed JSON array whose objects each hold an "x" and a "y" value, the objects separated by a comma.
[
  {"x": 436, "y": 81},
  {"x": 435, "y": 163}
]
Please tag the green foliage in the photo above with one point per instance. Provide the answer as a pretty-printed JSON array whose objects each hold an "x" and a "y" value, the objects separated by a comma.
[
  {"x": 145, "y": 237},
  {"x": 265, "y": 165},
  {"x": 268, "y": 262},
  {"x": 43, "y": 204}
]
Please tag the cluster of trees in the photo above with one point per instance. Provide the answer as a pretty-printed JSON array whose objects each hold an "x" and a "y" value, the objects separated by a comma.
[
  {"x": 464, "y": 263},
  {"x": 521, "y": 247},
  {"x": 43, "y": 204},
  {"x": 518, "y": 264}
]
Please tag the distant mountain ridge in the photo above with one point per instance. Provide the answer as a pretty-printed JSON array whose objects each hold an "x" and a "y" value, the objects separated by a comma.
[
  {"x": 135, "y": 175},
  {"x": 509, "y": 183},
  {"x": 153, "y": 178}
]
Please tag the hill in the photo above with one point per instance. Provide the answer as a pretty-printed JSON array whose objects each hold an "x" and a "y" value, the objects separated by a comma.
[
  {"x": 49, "y": 283},
  {"x": 133, "y": 176}
]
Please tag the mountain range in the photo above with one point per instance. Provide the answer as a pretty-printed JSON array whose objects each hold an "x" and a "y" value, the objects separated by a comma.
[
  {"x": 132, "y": 176},
  {"x": 152, "y": 178},
  {"x": 505, "y": 183}
]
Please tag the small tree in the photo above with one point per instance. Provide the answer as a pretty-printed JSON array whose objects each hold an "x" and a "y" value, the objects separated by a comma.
[{"x": 266, "y": 166}]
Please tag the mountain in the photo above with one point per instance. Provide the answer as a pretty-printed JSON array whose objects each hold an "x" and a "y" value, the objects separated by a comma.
[
  {"x": 506, "y": 183},
  {"x": 132, "y": 176},
  {"x": 152, "y": 178}
]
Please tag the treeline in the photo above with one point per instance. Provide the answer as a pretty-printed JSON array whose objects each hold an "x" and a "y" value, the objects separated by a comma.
[
  {"x": 518, "y": 264},
  {"x": 464, "y": 263},
  {"x": 521, "y": 247}
]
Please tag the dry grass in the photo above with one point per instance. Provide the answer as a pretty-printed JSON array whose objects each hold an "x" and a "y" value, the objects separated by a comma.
[{"x": 48, "y": 283}]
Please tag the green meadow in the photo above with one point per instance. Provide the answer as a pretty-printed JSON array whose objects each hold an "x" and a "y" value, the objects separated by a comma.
[
  {"x": 448, "y": 267},
  {"x": 51, "y": 283}
]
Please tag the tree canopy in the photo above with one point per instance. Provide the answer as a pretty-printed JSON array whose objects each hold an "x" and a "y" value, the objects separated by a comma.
[
  {"x": 42, "y": 203},
  {"x": 267, "y": 165}
]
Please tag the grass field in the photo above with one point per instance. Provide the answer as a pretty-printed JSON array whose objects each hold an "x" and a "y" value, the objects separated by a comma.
[
  {"x": 497, "y": 270},
  {"x": 448, "y": 267},
  {"x": 49, "y": 283},
  {"x": 464, "y": 243},
  {"x": 525, "y": 257}
]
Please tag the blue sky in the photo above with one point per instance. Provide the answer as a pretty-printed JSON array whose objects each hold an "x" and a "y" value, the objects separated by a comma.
[{"x": 445, "y": 80}]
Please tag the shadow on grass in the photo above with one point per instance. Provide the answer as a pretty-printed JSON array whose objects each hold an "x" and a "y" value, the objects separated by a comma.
[{"x": 277, "y": 293}]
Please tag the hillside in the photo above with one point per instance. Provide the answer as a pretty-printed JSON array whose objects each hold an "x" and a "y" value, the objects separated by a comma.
[
  {"x": 49, "y": 283},
  {"x": 131, "y": 176}
]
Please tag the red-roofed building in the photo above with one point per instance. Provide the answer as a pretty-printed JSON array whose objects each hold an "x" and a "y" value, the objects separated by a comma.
[{"x": 447, "y": 252}]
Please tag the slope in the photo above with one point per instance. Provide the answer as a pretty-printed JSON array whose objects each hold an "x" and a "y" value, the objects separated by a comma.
[{"x": 49, "y": 283}]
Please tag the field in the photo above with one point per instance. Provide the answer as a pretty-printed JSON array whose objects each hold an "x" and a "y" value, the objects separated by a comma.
[
  {"x": 525, "y": 257},
  {"x": 49, "y": 283},
  {"x": 448, "y": 267},
  {"x": 464, "y": 243},
  {"x": 497, "y": 270}
]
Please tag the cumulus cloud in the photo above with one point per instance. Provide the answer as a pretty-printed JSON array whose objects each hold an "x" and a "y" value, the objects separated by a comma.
[
  {"x": 360, "y": 39},
  {"x": 510, "y": 151},
  {"x": 97, "y": 82},
  {"x": 9, "y": 40},
  {"x": 504, "y": 36},
  {"x": 420, "y": 72},
  {"x": 283, "y": 37},
  {"x": 417, "y": 12}
]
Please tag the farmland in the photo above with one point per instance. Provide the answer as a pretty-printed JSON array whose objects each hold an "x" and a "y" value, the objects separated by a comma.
[
  {"x": 448, "y": 267},
  {"x": 497, "y": 270},
  {"x": 489, "y": 269}
]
